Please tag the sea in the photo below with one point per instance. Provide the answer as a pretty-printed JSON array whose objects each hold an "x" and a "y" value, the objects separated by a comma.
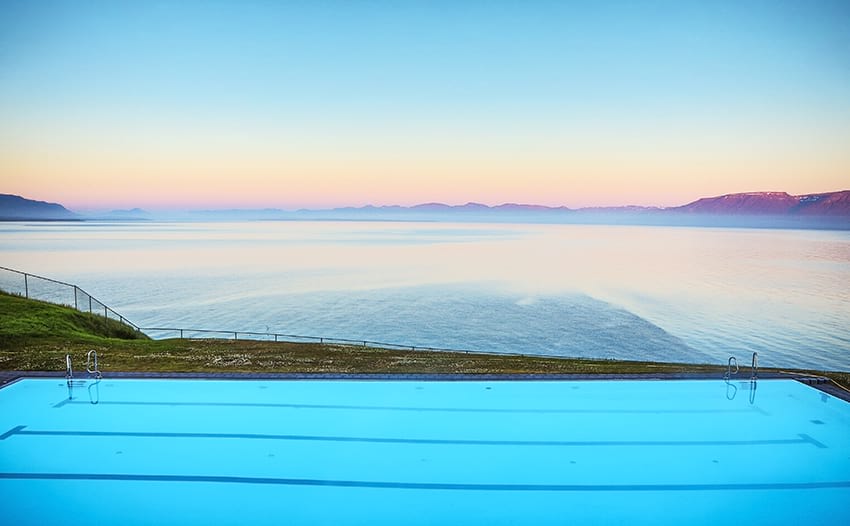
[{"x": 680, "y": 294}]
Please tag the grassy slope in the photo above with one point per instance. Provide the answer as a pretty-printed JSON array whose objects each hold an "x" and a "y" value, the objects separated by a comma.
[
  {"x": 36, "y": 336},
  {"x": 23, "y": 319}
]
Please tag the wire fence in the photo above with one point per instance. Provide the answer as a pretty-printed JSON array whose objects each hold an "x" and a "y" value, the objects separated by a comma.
[
  {"x": 183, "y": 333},
  {"x": 54, "y": 291}
]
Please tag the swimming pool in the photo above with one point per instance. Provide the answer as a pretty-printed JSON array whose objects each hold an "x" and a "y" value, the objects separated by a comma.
[{"x": 422, "y": 452}]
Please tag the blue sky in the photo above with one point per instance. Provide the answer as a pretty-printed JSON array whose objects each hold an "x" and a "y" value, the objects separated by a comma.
[{"x": 422, "y": 100}]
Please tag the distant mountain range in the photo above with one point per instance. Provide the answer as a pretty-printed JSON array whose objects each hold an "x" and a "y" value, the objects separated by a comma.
[
  {"x": 17, "y": 208},
  {"x": 758, "y": 209},
  {"x": 135, "y": 214},
  {"x": 772, "y": 203}
]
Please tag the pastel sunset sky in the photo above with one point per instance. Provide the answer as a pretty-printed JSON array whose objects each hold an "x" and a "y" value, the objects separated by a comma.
[{"x": 289, "y": 104}]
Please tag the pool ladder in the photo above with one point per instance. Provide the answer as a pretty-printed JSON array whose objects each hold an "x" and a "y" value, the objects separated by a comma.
[
  {"x": 733, "y": 362},
  {"x": 93, "y": 369},
  {"x": 731, "y": 390},
  {"x": 91, "y": 366}
]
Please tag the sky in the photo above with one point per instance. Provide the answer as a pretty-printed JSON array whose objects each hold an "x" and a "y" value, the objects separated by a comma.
[{"x": 290, "y": 104}]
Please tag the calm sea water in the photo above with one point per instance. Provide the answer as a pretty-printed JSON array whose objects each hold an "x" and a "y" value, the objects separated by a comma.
[{"x": 626, "y": 292}]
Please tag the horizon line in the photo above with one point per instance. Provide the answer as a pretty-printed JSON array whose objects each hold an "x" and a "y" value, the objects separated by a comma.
[{"x": 228, "y": 208}]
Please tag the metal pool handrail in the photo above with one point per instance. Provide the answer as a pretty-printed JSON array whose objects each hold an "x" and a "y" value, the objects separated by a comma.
[
  {"x": 755, "y": 370},
  {"x": 729, "y": 373},
  {"x": 91, "y": 364}
]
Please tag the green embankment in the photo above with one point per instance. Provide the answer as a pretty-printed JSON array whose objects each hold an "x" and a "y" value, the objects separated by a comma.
[
  {"x": 24, "y": 320},
  {"x": 35, "y": 335}
]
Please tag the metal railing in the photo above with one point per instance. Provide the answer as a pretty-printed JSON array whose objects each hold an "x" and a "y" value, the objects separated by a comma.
[
  {"x": 755, "y": 367},
  {"x": 184, "y": 333},
  {"x": 54, "y": 291},
  {"x": 91, "y": 364},
  {"x": 62, "y": 293},
  {"x": 732, "y": 362}
]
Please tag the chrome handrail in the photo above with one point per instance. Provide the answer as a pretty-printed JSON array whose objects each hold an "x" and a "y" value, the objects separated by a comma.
[
  {"x": 729, "y": 373},
  {"x": 755, "y": 367},
  {"x": 90, "y": 361},
  {"x": 69, "y": 371}
]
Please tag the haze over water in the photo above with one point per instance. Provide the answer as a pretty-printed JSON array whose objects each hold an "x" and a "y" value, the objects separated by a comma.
[{"x": 624, "y": 292}]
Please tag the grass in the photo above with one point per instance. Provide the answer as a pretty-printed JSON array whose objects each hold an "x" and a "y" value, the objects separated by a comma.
[{"x": 35, "y": 335}]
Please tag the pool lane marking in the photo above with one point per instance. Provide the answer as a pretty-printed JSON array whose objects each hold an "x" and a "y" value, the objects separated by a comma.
[
  {"x": 14, "y": 431},
  {"x": 771, "y": 486},
  {"x": 812, "y": 441},
  {"x": 804, "y": 439},
  {"x": 416, "y": 409}
]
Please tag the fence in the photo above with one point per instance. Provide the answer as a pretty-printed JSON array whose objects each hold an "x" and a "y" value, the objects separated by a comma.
[
  {"x": 55, "y": 291},
  {"x": 282, "y": 337}
]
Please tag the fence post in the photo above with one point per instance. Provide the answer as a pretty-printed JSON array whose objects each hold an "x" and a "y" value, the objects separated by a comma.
[
  {"x": 75, "y": 298},
  {"x": 104, "y": 312},
  {"x": 26, "y": 287},
  {"x": 235, "y": 337},
  {"x": 181, "y": 334}
]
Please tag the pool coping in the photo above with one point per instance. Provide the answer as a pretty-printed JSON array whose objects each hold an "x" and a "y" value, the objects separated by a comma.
[{"x": 818, "y": 382}]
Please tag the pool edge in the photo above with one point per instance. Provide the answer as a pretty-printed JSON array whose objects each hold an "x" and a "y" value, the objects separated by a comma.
[{"x": 818, "y": 382}]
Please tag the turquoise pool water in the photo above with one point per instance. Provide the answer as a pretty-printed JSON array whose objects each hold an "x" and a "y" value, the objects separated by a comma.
[{"x": 410, "y": 452}]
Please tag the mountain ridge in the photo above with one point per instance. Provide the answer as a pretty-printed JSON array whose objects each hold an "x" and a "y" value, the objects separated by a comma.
[
  {"x": 768, "y": 203},
  {"x": 17, "y": 208},
  {"x": 768, "y": 209}
]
